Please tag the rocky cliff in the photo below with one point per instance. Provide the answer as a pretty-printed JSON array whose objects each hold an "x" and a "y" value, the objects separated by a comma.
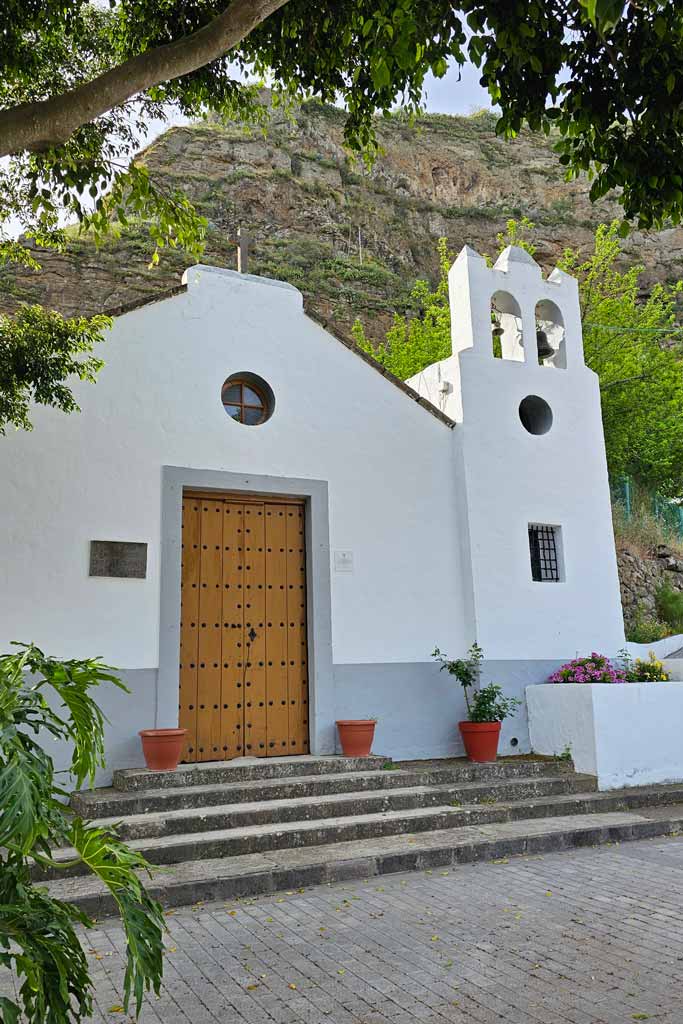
[
  {"x": 642, "y": 576},
  {"x": 352, "y": 239}
]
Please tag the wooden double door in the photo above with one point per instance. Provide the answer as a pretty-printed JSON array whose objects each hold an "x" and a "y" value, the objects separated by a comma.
[{"x": 243, "y": 651}]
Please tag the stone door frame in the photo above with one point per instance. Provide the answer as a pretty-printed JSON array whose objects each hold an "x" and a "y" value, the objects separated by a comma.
[{"x": 176, "y": 479}]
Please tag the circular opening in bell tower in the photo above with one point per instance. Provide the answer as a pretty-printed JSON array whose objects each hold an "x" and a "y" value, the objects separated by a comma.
[{"x": 535, "y": 414}]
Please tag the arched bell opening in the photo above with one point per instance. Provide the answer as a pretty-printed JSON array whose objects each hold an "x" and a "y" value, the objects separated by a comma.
[
  {"x": 550, "y": 335},
  {"x": 506, "y": 327}
]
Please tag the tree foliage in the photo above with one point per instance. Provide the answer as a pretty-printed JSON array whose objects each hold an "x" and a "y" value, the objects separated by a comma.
[
  {"x": 80, "y": 82},
  {"x": 636, "y": 349},
  {"x": 631, "y": 342},
  {"x": 39, "y": 351},
  {"x": 38, "y": 937},
  {"x": 413, "y": 342}
]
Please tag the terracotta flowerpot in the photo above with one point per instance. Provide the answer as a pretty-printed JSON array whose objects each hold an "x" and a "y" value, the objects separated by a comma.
[
  {"x": 356, "y": 736},
  {"x": 162, "y": 747},
  {"x": 480, "y": 739}
]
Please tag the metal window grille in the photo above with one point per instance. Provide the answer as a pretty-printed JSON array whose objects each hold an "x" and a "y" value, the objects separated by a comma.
[{"x": 543, "y": 546}]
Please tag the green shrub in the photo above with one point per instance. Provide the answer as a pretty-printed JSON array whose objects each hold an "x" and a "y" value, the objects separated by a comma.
[
  {"x": 645, "y": 630},
  {"x": 670, "y": 607},
  {"x": 641, "y": 671},
  {"x": 641, "y": 530},
  {"x": 651, "y": 670}
]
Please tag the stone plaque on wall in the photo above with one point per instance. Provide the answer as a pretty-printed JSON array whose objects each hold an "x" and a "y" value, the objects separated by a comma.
[{"x": 123, "y": 559}]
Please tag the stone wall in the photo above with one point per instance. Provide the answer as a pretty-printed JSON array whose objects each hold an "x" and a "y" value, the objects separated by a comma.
[{"x": 640, "y": 579}]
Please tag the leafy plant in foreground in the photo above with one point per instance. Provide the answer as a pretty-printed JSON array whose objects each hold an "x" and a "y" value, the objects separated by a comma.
[{"x": 38, "y": 937}]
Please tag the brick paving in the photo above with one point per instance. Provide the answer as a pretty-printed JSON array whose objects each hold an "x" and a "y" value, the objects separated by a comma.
[{"x": 590, "y": 936}]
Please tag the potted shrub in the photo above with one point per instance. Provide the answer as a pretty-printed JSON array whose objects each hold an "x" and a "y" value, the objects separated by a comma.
[
  {"x": 356, "y": 736},
  {"x": 162, "y": 747},
  {"x": 486, "y": 708}
]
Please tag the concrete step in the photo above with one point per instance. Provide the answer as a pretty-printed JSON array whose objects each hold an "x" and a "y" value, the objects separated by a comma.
[
  {"x": 252, "y": 839},
  {"x": 243, "y": 770},
  {"x": 251, "y": 874},
  {"x": 338, "y": 805},
  {"x": 171, "y": 794},
  {"x": 115, "y": 803}
]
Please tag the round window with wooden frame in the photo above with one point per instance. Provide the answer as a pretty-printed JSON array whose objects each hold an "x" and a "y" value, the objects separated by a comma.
[{"x": 247, "y": 399}]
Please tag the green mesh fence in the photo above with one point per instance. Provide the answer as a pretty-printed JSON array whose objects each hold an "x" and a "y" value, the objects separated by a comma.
[{"x": 668, "y": 512}]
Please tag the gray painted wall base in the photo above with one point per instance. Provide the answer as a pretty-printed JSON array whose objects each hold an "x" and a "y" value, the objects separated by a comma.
[
  {"x": 126, "y": 714},
  {"x": 417, "y": 708},
  {"x": 514, "y": 676}
]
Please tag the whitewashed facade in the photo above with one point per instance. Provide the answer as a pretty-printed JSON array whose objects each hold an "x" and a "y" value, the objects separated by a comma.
[{"x": 417, "y": 515}]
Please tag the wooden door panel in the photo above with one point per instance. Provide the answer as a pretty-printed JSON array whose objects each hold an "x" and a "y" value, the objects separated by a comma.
[
  {"x": 276, "y": 626},
  {"x": 210, "y": 632},
  {"x": 243, "y": 666},
  {"x": 189, "y": 627},
  {"x": 255, "y": 715},
  {"x": 297, "y": 669},
  {"x": 232, "y": 674}
]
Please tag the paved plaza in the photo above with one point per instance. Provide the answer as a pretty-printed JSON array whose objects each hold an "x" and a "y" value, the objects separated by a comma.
[{"x": 591, "y": 936}]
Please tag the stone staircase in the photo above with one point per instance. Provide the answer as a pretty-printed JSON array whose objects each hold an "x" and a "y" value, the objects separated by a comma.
[{"x": 227, "y": 829}]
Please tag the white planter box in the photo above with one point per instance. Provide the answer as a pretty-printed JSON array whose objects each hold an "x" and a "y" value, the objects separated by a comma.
[{"x": 626, "y": 734}]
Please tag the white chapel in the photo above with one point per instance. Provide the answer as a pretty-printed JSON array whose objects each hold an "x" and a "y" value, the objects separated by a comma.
[{"x": 264, "y": 532}]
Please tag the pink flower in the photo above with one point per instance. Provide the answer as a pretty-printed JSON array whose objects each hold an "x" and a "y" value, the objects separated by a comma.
[{"x": 595, "y": 669}]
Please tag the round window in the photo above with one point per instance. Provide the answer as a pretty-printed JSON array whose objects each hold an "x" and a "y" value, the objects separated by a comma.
[
  {"x": 247, "y": 399},
  {"x": 535, "y": 414}
]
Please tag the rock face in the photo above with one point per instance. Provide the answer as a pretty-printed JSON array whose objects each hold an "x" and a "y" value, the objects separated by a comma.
[
  {"x": 641, "y": 578},
  {"x": 352, "y": 239}
]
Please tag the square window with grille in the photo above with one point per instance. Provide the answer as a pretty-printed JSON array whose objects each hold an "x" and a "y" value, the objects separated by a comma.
[{"x": 545, "y": 552}]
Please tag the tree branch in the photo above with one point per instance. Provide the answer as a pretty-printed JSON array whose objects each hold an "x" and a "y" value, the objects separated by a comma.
[
  {"x": 48, "y": 123},
  {"x": 624, "y": 380}
]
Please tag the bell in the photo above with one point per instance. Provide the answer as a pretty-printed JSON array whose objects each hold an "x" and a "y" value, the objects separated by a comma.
[
  {"x": 497, "y": 330},
  {"x": 545, "y": 349}
]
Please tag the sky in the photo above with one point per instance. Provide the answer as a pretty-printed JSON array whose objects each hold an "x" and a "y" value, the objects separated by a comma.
[{"x": 447, "y": 95}]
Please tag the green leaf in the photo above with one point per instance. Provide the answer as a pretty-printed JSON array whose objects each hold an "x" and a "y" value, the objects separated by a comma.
[
  {"x": 381, "y": 76},
  {"x": 24, "y": 794},
  {"x": 604, "y": 14},
  {"x": 9, "y": 1011},
  {"x": 38, "y": 941},
  {"x": 117, "y": 866}
]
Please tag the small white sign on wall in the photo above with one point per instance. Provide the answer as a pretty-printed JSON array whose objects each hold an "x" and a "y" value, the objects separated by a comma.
[{"x": 343, "y": 561}]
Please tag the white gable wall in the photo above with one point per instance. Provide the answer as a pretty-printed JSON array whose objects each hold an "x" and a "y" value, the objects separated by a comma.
[{"x": 97, "y": 476}]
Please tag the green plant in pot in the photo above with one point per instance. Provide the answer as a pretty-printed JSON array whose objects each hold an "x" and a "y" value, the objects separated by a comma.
[{"x": 486, "y": 706}]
